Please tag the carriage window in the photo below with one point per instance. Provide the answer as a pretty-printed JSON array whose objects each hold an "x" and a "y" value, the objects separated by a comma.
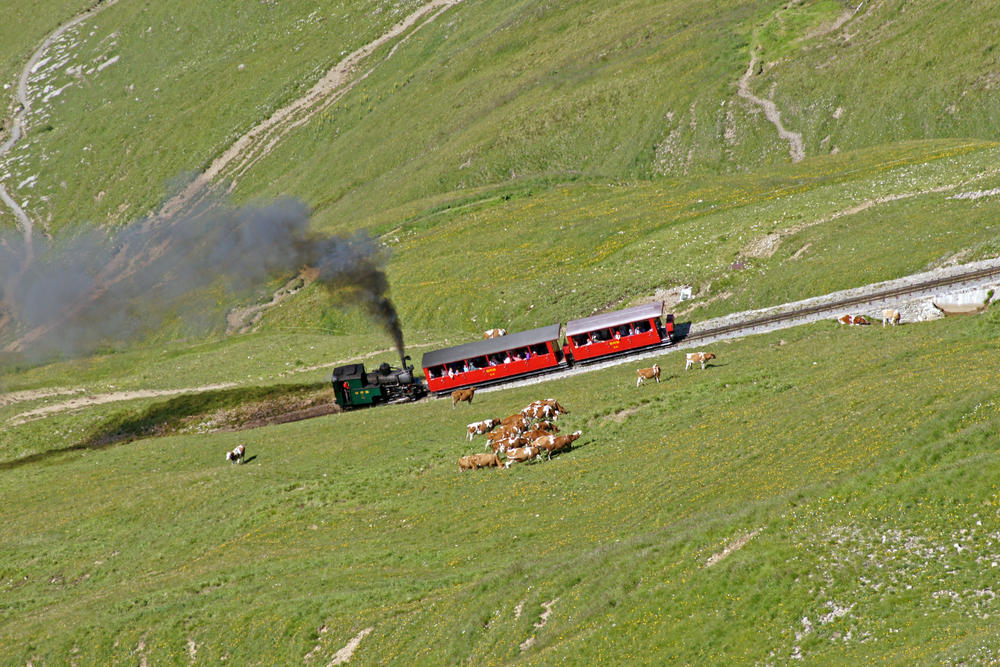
[
  {"x": 480, "y": 362},
  {"x": 540, "y": 348}
]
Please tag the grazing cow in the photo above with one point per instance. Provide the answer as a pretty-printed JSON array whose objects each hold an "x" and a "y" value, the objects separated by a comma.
[
  {"x": 698, "y": 358},
  {"x": 560, "y": 410},
  {"x": 520, "y": 455},
  {"x": 647, "y": 373},
  {"x": 535, "y": 434},
  {"x": 476, "y": 461},
  {"x": 494, "y": 333},
  {"x": 486, "y": 460},
  {"x": 462, "y": 395},
  {"x": 890, "y": 316},
  {"x": 478, "y": 428},
  {"x": 555, "y": 443},
  {"x": 500, "y": 439},
  {"x": 236, "y": 456},
  {"x": 519, "y": 421},
  {"x": 547, "y": 426},
  {"x": 539, "y": 410}
]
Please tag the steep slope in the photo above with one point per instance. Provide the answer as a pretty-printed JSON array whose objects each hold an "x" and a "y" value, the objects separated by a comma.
[{"x": 497, "y": 92}]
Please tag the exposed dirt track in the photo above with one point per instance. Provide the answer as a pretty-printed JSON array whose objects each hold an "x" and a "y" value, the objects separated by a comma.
[
  {"x": 256, "y": 144},
  {"x": 18, "y": 126},
  {"x": 796, "y": 148}
]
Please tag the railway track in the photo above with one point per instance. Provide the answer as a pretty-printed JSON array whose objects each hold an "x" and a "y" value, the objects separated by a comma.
[
  {"x": 873, "y": 299},
  {"x": 798, "y": 313}
]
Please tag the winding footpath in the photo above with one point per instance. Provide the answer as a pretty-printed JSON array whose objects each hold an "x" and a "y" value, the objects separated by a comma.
[
  {"x": 19, "y": 129},
  {"x": 260, "y": 140},
  {"x": 796, "y": 147}
]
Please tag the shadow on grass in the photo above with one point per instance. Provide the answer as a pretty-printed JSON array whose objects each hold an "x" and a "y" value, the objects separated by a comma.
[{"x": 167, "y": 417}]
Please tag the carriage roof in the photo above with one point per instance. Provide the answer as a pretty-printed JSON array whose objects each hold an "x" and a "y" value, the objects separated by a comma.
[
  {"x": 614, "y": 319},
  {"x": 491, "y": 346}
]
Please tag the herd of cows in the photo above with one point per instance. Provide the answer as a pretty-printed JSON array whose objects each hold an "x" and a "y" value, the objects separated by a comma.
[
  {"x": 527, "y": 435},
  {"x": 519, "y": 438}
]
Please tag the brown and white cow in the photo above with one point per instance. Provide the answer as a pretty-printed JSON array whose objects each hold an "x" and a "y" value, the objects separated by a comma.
[
  {"x": 494, "y": 333},
  {"x": 891, "y": 317},
  {"x": 236, "y": 456},
  {"x": 647, "y": 373},
  {"x": 462, "y": 395},
  {"x": 852, "y": 320},
  {"x": 560, "y": 410},
  {"x": 520, "y": 455},
  {"x": 698, "y": 358},
  {"x": 547, "y": 426},
  {"x": 535, "y": 433},
  {"x": 539, "y": 410},
  {"x": 512, "y": 442},
  {"x": 501, "y": 439},
  {"x": 555, "y": 443},
  {"x": 478, "y": 428},
  {"x": 476, "y": 461},
  {"x": 519, "y": 421}
]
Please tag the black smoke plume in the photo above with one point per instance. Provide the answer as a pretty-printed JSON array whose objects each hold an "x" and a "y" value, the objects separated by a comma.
[{"x": 87, "y": 288}]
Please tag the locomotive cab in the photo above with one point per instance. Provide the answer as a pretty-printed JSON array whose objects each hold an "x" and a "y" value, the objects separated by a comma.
[{"x": 353, "y": 387}]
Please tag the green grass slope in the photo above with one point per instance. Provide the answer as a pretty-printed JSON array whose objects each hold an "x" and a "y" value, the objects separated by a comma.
[
  {"x": 487, "y": 93},
  {"x": 828, "y": 493},
  {"x": 822, "y": 493}
]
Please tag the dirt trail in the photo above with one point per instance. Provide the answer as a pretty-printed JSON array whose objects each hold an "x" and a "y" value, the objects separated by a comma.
[
  {"x": 100, "y": 399},
  {"x": 92, "y": 399},
  {"x": 796, "y": 148},
  {"x": 262, "y": 139},
  {"x": 18, "y": 125},
  {"x": 766, "y": 246}
]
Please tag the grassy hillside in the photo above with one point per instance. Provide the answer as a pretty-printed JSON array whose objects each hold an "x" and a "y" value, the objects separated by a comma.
[
  {"x": 822, "y": 493},
  {"x": 865, "y": 482},
  {"x": 488, "y": 93}
]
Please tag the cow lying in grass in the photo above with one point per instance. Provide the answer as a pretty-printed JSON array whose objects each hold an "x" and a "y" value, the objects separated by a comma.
[
  {"x": 236, "y": 456},
  {"x": 852, "y": 320},
  {"x": 494, "y": 333},
  {"x": 648, "y": 373},
  {"x": 476, "y": 461},
  {"x": 698, "y": 358},
  {"x": 462, "y": 395}
]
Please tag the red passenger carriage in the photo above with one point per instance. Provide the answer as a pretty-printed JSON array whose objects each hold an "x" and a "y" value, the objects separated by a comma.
[
  {"x": 612, "y": 333},
  {"x": 492, "y": 360}
]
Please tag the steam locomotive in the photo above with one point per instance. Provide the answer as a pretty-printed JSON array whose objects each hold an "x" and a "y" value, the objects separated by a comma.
[
  {"x": 518, "y": 355},
  {"x": 353, "y": 387}
]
